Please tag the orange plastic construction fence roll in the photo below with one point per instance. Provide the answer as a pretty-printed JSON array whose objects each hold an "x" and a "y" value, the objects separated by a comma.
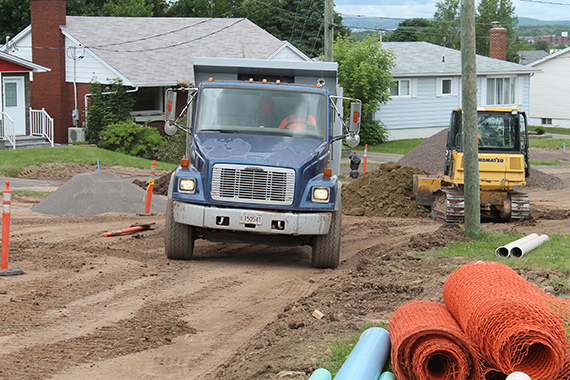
[
  {"x": 509, "y": 320},
  {"x": 427, "y": 343}
]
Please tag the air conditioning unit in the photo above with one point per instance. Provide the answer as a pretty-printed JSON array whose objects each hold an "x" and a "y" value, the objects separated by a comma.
[{"x": 75, "y": 134}]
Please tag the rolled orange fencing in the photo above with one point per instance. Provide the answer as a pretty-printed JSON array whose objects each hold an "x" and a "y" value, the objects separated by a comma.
[
  {"x": 427, "y": 343},
  {"x": 508, "y": 319}
]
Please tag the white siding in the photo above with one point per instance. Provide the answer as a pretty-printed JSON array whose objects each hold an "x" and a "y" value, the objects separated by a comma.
[
  {"x": 425, "y": 113},
  {"x": 23, "y": 47},
  {"x": 286, "y": 54},
  {"x": 419, "y": 116},
  {"x": 89, "y": 68},
  {"x": 550, "y": 91}
]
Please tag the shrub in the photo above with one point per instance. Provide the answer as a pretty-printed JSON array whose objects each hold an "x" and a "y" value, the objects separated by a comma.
[
  {"x": 173, "y": 148},
  {"x": 540, "y": 130},
  {"x": 132, "y": 139}
]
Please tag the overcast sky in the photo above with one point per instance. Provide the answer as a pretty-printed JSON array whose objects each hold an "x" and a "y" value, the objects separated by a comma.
[{"x": 539, "y": 9}]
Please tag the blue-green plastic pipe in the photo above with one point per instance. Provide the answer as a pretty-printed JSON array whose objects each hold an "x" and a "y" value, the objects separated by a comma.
[
  {"x": 321, "y": 374},
  {"x": 368, "y": 357},
  {"x": 387, "y": 376}
]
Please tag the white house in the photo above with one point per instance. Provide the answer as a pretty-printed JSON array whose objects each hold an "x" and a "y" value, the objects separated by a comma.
[
  {"x": 550, "y": 90},
  {"x": 148, "y": 54},
  {"x": 427, "y": 88}
]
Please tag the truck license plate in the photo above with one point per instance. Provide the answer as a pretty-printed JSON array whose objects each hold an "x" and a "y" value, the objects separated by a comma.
[{"x": 250, "y": 219}]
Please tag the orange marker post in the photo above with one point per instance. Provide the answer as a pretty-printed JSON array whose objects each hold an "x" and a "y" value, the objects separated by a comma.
[
  {"x": 6, "y": 197},
  {"x": 364, "y": 161},
  {"x": 150, "y": 188}
]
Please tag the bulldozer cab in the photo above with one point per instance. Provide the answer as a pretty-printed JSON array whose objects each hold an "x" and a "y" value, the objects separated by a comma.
[{"x": 499, "y": 130}]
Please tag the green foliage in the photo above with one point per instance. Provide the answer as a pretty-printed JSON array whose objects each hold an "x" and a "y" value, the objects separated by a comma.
[
  {"x": 559, "y": 130},
  {"x": 132, "y": 139},
  {"x": 364, "y": 73},
  {"x": 502, "y": 11},
  {"x": 411, "y": 30},
  {"x": 445, "y": 28},
  {"x": 14, "y": 16},
  {"x": 127, "y": 8},
  {"x": 548, "y": 143},
  {"x": 173, "y": 148},
  {"x": 541, "y": 45},
  {"x": 403, "y": 146},
  {"x": 109, "y": 104},
  {"x": 540, "y": 130}
]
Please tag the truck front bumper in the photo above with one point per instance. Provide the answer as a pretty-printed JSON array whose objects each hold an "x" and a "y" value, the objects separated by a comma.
[{"x": 236, "y": 219}]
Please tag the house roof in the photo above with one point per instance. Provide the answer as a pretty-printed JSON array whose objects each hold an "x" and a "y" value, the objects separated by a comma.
[
  {"x": 528, "y": 56},
  {"x": 156, "y": 51},
  {"x": 415, "y": 59},
  {"x": 550, "y": 56},
  {"x": 22, "y": 62}
]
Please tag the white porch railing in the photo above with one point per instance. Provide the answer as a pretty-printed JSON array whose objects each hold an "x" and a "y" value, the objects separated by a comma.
[
  {"x": 7, "y": 129},
  {"x": 41, "y": 124}
]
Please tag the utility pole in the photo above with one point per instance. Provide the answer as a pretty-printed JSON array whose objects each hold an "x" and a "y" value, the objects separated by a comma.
[
  {"x": 469, "y": 99},
  {"x": 329, "y": 30}
]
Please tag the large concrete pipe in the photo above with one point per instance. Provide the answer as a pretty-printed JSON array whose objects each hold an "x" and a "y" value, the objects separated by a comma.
[
  {"x": 505, "y": 250},
  {"x": 368, "y": 357},
  {"x": 520, "y": 249}
]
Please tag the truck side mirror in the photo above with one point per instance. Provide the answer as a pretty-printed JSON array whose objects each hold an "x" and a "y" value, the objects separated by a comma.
[
  {"x": 170, "y": 106},
  {"x": 355, "y": 111}
]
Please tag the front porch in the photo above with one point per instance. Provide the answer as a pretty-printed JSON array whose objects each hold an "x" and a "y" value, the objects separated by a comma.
[{"x": 40, "y": 131}]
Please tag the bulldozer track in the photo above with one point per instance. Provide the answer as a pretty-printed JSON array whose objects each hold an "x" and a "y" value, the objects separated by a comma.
[
  {"x": 520, "y": 205},
  {"x": 449, "y": 205}
]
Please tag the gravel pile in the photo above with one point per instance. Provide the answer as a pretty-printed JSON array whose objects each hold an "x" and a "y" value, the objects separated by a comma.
[
  {"x": 95, "y": 193},
  {"x": 429, "y": 155}
]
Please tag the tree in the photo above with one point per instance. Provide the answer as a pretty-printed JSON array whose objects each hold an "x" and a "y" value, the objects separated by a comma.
[
  {"x": 541, "y": 45},
  {"x": 502, "y": 11},
  {"x": 411, "y": 30},
  {"x": 364, "y": 73},
  {"x": 127, "y": 8},
  {"x": 108, "y": 104},
  {"x": 445, "y": 29},
  {"x": 14, "y": 16}
]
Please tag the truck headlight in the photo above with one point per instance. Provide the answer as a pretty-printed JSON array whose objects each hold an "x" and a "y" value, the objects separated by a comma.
[
  {"x": 187, "y": 185},
  {"x": 321, "y": 194}
]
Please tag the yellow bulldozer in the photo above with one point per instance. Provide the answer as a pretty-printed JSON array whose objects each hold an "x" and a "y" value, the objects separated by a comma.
[{"x": 502, "y": 135}]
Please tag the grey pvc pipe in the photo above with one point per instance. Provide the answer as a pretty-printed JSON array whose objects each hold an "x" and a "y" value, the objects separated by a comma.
[
  {"x": 505, "y": 250},
  {"x": 519, "y": 250}
]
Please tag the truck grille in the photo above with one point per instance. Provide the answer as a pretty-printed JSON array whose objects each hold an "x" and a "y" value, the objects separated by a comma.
[{"x": 253, "y": 184}]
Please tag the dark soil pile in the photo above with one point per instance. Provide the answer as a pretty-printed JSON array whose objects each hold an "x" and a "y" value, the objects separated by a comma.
[
  {"x": 429, "y": 155},
  {"x": 440, "y": 238},
  {"x": 160, "y": 184},
  {"x": 387, "y": 191}
]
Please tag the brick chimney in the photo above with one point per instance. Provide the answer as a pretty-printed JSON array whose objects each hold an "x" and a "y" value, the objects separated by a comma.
[
  {"x": 48, "y": 90},
  {"x": 498, "y": 42}
]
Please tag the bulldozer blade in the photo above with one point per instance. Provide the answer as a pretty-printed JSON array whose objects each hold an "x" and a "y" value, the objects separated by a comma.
[{"x": 424, "y": 186}]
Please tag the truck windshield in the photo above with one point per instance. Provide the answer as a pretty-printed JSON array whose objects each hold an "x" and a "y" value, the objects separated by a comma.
[
  {"x": 260, "y": 111},
  {"x": 497, "y": 130}
]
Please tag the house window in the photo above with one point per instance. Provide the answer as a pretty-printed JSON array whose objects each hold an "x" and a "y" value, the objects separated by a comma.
[
  {"x": 446, "y": 86},
  {"x": 11, "y": 93},
  {"x": 501, "y": 91},
  {"x": 546, "y": 121},
  {"x": 400, "y": 88}
]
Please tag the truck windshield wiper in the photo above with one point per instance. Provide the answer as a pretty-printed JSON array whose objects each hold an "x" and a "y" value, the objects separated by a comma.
[{"x": 218, "y": 130}]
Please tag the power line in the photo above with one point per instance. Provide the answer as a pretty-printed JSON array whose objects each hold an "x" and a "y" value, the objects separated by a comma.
[{"x": 545, "y": 2}]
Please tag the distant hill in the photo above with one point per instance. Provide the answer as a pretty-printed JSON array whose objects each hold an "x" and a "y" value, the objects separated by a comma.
[
  {"x": 532, "y": 21},
  {"x": 391, "y": 23}
]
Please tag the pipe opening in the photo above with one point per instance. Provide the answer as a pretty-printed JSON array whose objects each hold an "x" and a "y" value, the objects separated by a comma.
[
  {"x": 516, "y": 252},
  {"x": 438, "y": 366},
  {"x": 502, "y": 252},
  {"x": 495, "y": 375}
]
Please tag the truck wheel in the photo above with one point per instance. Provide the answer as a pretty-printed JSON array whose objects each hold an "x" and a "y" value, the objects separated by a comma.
[
  {"x": 178, "y": 238},
  {"x": 326, "y": 248}
]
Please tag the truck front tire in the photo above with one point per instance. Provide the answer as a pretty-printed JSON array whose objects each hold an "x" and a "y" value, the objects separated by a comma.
[
  {"x": 178, "y": 238},
  {"x": 326, "y": 248}
]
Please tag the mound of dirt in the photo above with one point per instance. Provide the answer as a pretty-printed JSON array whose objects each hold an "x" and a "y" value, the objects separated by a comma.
[
  {"x": 429, "y": 155},
  {"x": 97, "y": 192},
  {"x": 160, "y": 184},
  {"x": 387, "y": 191}
]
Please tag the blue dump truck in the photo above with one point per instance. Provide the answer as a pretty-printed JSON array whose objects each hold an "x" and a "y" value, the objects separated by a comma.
[{"x": 264, "y": 142}]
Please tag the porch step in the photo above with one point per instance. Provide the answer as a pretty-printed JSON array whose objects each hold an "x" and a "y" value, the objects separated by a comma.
[{"x": 23, "y": 142}]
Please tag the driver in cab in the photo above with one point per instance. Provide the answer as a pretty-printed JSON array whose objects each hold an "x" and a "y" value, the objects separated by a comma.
[{"x": 300, "y": 119}]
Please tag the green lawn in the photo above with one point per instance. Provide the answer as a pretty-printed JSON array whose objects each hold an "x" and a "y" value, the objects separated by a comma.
[{"x": 13, "y": 161}]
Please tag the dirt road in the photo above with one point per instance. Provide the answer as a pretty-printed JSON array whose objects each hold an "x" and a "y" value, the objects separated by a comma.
[{"x": 96, "y": 307}]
